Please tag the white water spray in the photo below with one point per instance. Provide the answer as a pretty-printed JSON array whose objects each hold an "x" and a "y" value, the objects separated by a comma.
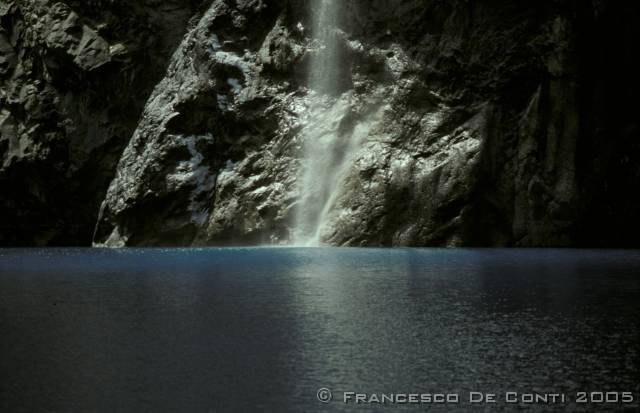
[
  {"x": 325, "y": 65},
  {"x": 329, "y": 146}
]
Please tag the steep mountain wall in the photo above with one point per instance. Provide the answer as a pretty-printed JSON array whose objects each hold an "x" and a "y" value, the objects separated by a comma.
[
  {"x": 483, "y": 123},
  {"x": 74, "y": 77}
]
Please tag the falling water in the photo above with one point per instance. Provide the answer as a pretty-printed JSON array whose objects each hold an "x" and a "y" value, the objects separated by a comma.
[
  {"x": 329, "y": 146},
  {"x": 325, "y": 65}
]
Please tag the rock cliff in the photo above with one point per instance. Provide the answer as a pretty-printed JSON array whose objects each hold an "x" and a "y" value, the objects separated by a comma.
[
  {"x": 482, "y": 123},
  {"x": 74, "y": 77}
]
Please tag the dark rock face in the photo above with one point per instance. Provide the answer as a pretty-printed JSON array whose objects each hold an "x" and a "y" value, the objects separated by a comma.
[
  {"x": 74, "y": 77},
  {"x": 482, "y": 123}
]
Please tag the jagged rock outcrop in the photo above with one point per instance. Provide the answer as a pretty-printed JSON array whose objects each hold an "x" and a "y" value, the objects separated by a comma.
[
  {"x": 74, "y": 77},
  {"x": 483, "y": 123}
]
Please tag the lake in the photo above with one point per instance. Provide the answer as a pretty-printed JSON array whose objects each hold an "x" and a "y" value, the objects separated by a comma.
[{"x": 265, "y": 329}]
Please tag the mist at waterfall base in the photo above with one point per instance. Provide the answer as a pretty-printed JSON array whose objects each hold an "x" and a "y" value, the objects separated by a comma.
[
  {"x": 262, "y": 329},
  {"x": 330, "y": 148}
]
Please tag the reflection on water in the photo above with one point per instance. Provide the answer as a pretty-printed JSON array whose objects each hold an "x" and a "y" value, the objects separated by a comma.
[{"x": 251, "y": 329}]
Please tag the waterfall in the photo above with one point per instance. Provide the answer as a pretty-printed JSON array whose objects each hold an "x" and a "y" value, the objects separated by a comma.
[
  {"x": 329, "y": 149},
  {"x": 325, "y": 65}
]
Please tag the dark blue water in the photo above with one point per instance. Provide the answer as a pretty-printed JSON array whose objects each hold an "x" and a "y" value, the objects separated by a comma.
[{"x": 210, "y": 330}]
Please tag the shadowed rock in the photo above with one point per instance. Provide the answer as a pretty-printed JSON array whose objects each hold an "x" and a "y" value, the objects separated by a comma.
[{"x": 488, "y": 123}]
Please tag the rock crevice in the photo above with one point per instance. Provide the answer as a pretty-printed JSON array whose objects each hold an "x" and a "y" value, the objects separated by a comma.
[{"x": 484, "y": 123}]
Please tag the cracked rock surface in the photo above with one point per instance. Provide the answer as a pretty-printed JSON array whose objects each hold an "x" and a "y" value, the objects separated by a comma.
[
  {"x": 482, "y": 123},
  {"x": 74, "y": 77}
]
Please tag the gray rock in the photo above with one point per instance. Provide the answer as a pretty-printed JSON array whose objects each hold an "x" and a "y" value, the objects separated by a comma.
[
  {"x": 479, "y": 123},
  {"x": 74, "y": 77}
]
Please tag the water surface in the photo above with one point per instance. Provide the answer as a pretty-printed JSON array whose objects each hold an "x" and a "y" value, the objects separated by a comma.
[{"x": 262, "y": 329}]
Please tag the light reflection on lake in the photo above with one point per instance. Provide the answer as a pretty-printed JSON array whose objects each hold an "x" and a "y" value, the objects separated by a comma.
[{"x": 264, "y": 328}]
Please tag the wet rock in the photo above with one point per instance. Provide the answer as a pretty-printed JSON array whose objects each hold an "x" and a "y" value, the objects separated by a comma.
[
  {"x": 472, "y": 114},
  {"x": 483, "y": 123}
]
